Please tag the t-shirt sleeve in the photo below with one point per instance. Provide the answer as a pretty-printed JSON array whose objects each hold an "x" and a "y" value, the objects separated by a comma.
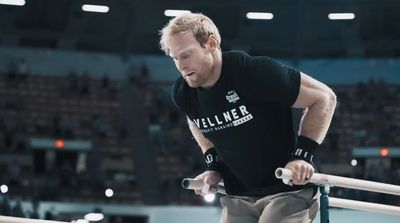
[{"x": 267, "y": 80}]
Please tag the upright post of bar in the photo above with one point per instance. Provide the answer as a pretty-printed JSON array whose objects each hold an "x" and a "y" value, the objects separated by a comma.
[{"x": 324, "y": 202}]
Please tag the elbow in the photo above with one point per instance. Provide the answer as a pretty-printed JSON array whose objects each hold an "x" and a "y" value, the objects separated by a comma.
[
  {"x": 326, "y": 100},
  {"x": 330, "y": 99}
]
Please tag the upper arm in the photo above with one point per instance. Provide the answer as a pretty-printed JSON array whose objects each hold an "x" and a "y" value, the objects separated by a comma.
[{"x": 312, "y": 91}]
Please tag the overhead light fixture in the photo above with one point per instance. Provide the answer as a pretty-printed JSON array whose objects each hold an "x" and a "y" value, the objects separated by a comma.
[
  {"x": 174, "y": 12},
  {"x": 341, "y": 16},
  {"x": 12, "y": 2},
  {"x": 260, "y": 15},
  {"x": 95, "y": 8}
]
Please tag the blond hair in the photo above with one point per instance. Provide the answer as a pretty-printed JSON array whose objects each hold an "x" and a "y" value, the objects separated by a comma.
[{"x": 200, "y": 25}]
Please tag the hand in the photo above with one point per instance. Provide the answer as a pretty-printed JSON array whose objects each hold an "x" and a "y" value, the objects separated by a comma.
[
  {"x": 211, "y": 178},
  {"x": 302, "y": 171}
]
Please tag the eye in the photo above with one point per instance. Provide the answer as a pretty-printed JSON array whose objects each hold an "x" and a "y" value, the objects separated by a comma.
[{"x": 185, "y": 55}]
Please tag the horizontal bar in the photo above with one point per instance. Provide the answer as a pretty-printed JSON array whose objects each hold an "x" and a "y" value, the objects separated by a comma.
[
  {"x": 196, "y": 184},
  {"x": 7, "y": 219},
  {"x": 363, "y": 206},
  {"x": 336, "y": 181}
]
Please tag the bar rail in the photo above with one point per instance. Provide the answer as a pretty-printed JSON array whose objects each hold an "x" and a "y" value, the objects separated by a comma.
[
  {"x": 196, "y": 184},
  {"x": 328, "y": 181},
  {"x": 336, "y": 181},
  {"x": 363, "y": 206}
]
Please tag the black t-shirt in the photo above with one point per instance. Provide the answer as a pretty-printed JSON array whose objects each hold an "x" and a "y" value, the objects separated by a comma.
[{"x": 247, "y": 116}]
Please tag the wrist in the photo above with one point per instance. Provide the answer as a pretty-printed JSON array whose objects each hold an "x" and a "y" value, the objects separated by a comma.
[
  {"x": 305, "y": 149},
  {"x": 211, "y": 159}
]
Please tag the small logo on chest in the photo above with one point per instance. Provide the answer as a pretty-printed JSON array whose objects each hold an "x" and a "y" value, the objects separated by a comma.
[{"x": 232, "y": 96}]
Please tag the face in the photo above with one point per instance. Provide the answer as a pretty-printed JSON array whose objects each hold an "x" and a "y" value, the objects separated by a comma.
[{"x": 194, "y": 62}]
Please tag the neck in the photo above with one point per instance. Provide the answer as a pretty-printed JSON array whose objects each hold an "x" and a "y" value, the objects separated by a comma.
[{"x": 215, "y": 70}]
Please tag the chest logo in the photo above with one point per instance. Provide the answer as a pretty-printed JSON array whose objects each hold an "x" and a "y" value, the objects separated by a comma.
[{"x": 232, "y": 96}]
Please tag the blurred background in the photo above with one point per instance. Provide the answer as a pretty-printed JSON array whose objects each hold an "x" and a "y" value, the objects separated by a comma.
[{"x": 87, "y": 124}]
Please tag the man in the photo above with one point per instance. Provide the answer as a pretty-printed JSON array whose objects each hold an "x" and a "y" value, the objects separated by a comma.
[{"x": 239, "y": 111}]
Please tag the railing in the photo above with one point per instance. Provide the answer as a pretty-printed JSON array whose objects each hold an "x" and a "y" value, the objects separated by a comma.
[{"x": 325, "y": 181}]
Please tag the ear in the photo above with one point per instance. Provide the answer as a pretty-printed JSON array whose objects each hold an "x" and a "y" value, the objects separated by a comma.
[{"x": 212, "y": 42}]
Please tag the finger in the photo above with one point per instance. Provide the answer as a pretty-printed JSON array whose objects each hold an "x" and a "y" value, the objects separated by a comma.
[
  {"x": 199, "y": 177},
  {"x": 294, "y": 178},
  {"x": 212, "y": 179},
  {"x": 212, "y": 190},
  {"x": 209, "y": 180},
  {"x": 206, "y": 188},
  {"x": 296, "y": 175},
  {"x": 310, "y": 173},
  {"x": 302, "y": 174}
]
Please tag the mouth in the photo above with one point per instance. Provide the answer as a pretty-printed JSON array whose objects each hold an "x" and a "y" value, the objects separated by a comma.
[{"x": 189, "y": 74}]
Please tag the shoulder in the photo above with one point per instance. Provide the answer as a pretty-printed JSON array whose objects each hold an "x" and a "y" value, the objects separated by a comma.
[
  {"x": 177, "y": 90},
  {"x": 264, "y": 62},
  {"x": 234, "y": 63},
  {"x": 235, "y": 56},
  {"x": 178, "y": 93},
  {"x": 177, "y": 87},
  {"x": 247, "y": 62},
  {"x": 265, "y": 79}
]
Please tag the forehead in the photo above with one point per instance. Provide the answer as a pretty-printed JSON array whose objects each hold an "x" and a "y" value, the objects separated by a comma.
[{"x": 181, "y": 42}]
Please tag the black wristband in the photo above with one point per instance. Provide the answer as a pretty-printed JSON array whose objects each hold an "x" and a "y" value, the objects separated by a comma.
[
  {"x": 305, "y": 149},
  {"x": 211, "y": 158}
]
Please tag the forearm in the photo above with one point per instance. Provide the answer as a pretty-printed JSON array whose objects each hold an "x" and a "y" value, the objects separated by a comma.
[
  {"x": 203, "y": 142},
  {"x": 317, "y": 118}
]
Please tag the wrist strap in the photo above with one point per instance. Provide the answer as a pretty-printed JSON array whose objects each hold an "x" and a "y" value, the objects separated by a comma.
[
  {"x": 305, "y": 149},
  {"x": 211, "y": 158}
]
